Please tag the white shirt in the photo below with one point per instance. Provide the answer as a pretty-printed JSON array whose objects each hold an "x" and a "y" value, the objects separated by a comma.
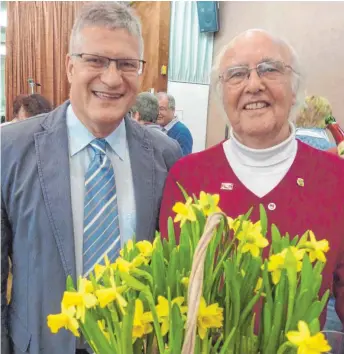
[
  {"x": 261, "y": 170},
  {"x": 80, "y": 157}
]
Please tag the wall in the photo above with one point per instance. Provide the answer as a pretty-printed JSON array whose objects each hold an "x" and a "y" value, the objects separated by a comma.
[
  {"x": 315, "y": 29},
  {"x": 191, "y": 109},
  {"x": 155, "y": 19}
]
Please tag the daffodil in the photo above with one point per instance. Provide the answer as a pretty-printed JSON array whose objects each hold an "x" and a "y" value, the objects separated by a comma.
[
  {"x": 251, "y": 238},
  {"x": 101, "y": 325},
  {"x": 129, "y": 245},
  {"x": 208, "y": 317},
  {"x": 142, "y": 321},
  {"x": 208, "y": 203},
  {"x": 316, "y": 249},
  {"x": 82, "y": 299},
  {"x": 145, "y": 248},
  {"x": 126, "y": 266},
  {"x": 306, "y": 343},
  {"x": 100, "y": 269},
  {"x": 277, "y": 262},
  {"x": 107, "y": 295},
  {"x": 163, "y": 312},
  {"x": 184, "y": 212},
  {"x": 66, "y": 319},
  {"x": 234, "y": 223}
]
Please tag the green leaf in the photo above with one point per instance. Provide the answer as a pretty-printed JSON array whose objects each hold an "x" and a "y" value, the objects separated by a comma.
[
  {"x": 133, "y": 282},
  {"x": 70, "y": 284},
  {"x": 127, "y": 328},
  {"x": 263, "y": 219},
  {"x": 276, "y": 239},
  {"x": 185, "y": 195}
]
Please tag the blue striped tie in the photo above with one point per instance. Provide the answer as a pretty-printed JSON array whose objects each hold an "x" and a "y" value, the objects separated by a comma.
[{"x": 101, "y": 225}]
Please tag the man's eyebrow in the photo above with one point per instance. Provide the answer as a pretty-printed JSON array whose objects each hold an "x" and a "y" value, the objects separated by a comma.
[{"x": 266, "y": 59}]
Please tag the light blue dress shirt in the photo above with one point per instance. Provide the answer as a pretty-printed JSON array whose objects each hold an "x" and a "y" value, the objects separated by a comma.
[{"x": 80, "y": 156}]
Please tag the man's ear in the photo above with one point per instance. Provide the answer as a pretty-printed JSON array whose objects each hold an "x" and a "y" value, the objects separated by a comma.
[
  {"x": 69, "y": 67},
  {"x": 136, "y": 116}
]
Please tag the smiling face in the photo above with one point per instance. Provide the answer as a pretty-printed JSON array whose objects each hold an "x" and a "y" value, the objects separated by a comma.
[
  {"x": 258, "y": 108},
  {"x": 101, "y": 98}
]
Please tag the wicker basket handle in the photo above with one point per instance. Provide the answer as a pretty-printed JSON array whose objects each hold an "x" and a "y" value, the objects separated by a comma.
[{"x": 196, "y": 281}]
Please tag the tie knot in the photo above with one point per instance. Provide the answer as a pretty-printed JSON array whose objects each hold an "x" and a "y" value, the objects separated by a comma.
[{"x": 99, "y": 146}]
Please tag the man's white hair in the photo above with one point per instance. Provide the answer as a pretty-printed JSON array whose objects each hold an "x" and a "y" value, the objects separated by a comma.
[
  {"x": 108, "y": 14},
  {"x": 297, "y": 77}
]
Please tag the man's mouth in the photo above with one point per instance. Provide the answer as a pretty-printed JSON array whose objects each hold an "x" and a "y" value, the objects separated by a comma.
[
  {"x": 107, "y": 96},
  {"x": 256, "y": 105}
]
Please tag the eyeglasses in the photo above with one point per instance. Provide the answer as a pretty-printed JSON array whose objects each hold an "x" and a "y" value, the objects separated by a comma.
[
  {"x": 270, "y": 70},
  {"x": 98, "y": 62}
]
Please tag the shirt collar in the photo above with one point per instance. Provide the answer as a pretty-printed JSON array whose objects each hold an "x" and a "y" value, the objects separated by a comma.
[
  {"x": 80, "y": 137},
  {"x": 169, "y": 126}
]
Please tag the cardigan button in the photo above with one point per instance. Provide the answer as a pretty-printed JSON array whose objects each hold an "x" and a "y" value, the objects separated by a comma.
[{"x": 272, "y": 206}]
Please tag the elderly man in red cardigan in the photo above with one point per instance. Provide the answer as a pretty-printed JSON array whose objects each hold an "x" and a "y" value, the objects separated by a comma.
[{"x": 258, "y": 80}]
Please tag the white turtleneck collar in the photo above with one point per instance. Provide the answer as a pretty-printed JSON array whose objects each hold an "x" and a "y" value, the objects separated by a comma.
[{"x": 260, "y": 170}]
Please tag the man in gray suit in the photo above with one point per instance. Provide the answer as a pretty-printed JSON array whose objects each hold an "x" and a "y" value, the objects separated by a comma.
[{"x": 81, "y": 176}]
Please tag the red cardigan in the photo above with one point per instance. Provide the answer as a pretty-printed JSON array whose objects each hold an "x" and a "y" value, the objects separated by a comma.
[{"x": 318, "y": 205}]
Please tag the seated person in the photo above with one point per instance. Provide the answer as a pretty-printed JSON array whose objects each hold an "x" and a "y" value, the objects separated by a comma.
[
  {"x": 25, "y": 106},
  {"x": 310, "y": 123}
]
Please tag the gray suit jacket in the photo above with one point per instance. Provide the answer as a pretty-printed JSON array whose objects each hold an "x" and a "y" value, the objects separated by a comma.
[{"x": 37, "y": 225}]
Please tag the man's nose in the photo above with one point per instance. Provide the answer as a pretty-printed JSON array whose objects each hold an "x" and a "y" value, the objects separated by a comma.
[
  {"x": 254, "y": 82},
  {"x": 112, "y": 76}
]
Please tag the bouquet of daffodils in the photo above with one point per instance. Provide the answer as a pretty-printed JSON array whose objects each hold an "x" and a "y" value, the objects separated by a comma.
[{"x": 214, "y": 292}]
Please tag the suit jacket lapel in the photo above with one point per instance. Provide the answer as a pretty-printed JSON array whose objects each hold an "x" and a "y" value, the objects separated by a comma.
[
  {"x": 143, "y": 170},
  {"x": 53, "y": 166}
]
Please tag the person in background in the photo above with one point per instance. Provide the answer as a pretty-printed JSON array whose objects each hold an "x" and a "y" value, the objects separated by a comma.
[
  {"x": 146, "y": 109},
  {"x": 78, "y": 182},
  {"x": 173, "y": 127},
  {"x": 257, "y": 77},
  {"x": 25, "y": 106},
  {"x": 310, "y": 122}
]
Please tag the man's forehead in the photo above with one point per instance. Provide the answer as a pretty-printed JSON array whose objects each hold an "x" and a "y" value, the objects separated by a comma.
[{"x": 254, "y": 49}]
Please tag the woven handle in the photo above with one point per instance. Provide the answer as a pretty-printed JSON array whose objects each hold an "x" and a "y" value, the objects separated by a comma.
[{"x": 196, "y": 281}]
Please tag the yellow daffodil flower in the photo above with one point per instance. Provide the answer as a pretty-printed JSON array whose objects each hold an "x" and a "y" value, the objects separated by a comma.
[
  {"x": 100, "y": 269},
  {"x": 145, "y": 248},
  {"x": 101, "y": 325},
  {"x": 142, "y": 321},
  {"x": 316, "y": 249},
  {"x": 184, "y": 212},
  {"x": 163, "y": 312},
  {"x": 306, "y": 343},
  {"x": 277, "y": 262},
  {"x": 251, "y": 238},
  {"x": 66, "y": 319},
  {"x": 82, "y": 299},
  {"x": 234, "y": 223},
  {"x": 107, "y": 295},
  {"x": 208, "y": 317},
  {"x": 208, "y": 203},
  {"x": 126, "y": 266},
  {"x": 129, "y": 245}
]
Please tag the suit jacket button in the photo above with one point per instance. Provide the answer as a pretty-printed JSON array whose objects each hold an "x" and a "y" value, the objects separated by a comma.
[{"x": 272, "y": 206}]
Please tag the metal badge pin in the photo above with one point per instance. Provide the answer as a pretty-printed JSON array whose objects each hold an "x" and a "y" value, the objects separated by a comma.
[
  {"x": 300, "y": 182},
  {"x": 227, "y": 186}
]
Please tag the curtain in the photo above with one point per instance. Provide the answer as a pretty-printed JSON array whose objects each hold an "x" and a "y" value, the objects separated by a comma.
[
  {"x": 191, "y": 51},
  {"x": 37, "y": 39}
]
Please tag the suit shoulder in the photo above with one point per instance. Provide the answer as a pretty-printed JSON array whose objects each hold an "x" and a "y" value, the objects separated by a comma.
[{"x": 21, "y": 132}]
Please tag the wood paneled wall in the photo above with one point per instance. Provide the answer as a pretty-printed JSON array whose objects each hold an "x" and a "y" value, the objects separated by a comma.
[{"x": 155, "y": 19}]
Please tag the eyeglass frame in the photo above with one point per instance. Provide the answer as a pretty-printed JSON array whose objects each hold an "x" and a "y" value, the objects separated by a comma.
[
  {"x": 109, "y": 60},
  {"x": 255, "y": 68}
]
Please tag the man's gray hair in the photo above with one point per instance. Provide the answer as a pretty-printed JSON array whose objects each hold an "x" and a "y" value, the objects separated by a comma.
[
  {"x": 111, "y": 15},
  {"x": 170, "y": 99},
  {"x": 297, "y": 77},
  {"x": 148, "y": 107}
]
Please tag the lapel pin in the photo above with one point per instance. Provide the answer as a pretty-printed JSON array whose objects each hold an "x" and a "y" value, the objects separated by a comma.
[
  {"x": 227, "y": 186},
  {"x": 300, "y": 182}
]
